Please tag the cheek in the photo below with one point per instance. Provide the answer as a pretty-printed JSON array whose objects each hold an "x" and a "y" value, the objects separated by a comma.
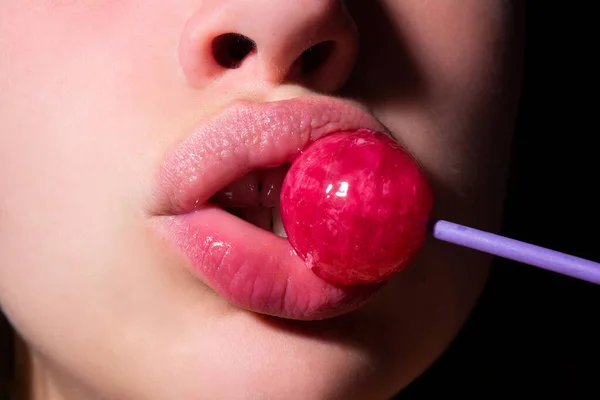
[
  {"x": 75, "y": 112},
  {"x": 448, "y": 87},
  {"x": 70, "y": 128},
  {"x": 452, "y": 48},
  {"x": 85, "y": 117}
]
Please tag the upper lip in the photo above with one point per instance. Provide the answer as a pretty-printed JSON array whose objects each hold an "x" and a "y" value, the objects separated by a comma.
[{"x": 245, "y": 137}]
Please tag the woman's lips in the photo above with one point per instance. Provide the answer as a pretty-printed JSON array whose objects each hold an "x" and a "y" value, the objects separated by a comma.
[{"x": 252, "y": 268}]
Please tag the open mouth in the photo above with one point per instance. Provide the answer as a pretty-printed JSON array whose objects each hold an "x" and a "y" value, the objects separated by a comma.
[
  {"x": 254, "y": 198},
  {"x": 217, "y": 200}
]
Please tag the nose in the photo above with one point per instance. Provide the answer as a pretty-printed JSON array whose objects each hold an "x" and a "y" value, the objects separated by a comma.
[{"x": 310, "y": 42}]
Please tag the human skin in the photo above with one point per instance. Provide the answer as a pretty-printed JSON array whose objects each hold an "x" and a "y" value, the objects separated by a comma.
[{"x": 95, "y": 93}]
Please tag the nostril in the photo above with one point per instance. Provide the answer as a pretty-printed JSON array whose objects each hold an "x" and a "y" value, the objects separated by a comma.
[
  {"x": 230, "y": 49},
  {"x": 314, "y": 57}
]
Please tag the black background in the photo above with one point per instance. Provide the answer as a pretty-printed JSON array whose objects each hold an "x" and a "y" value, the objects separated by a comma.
[{"x": 536, "y": 332}]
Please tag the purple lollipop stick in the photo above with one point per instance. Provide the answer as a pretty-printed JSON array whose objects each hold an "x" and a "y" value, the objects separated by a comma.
[{"x": 518, "y": 251}]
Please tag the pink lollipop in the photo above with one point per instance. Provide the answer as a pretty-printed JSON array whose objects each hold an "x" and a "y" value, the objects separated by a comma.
[{"x": 356, "y": 208}]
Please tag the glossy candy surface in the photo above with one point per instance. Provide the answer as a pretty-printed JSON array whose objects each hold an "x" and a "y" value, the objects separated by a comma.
[{"x": 355, "y": 207}]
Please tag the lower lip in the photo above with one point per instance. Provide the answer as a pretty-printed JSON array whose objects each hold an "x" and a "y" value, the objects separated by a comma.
[{"x": 257, "y": 270}]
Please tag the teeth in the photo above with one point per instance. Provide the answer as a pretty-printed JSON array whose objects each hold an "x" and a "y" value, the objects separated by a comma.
[{"x": 277, "y": 224}]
